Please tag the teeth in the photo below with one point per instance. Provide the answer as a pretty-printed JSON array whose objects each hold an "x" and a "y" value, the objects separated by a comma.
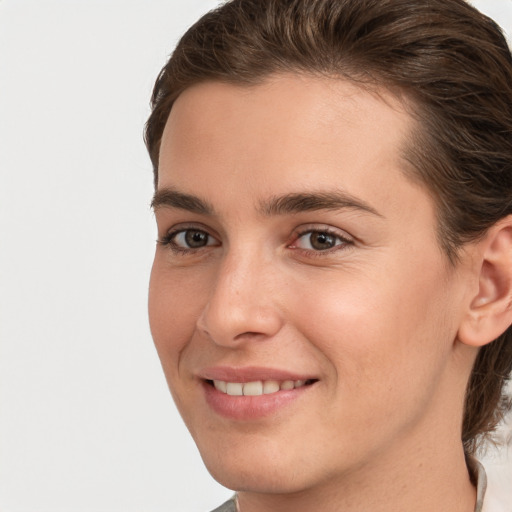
[
  {"x": 270, "y": 386},
  {"x": 256, "y": 388},
  {"x": 220, "y": 385},
  {"x": 253, "y": 388},
  {"x": 288, "y": 384},
  {"x": 234, "y": 388}
]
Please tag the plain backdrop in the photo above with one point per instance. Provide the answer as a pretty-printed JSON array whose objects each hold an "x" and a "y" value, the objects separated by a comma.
[{"x": 86, "y": 420}]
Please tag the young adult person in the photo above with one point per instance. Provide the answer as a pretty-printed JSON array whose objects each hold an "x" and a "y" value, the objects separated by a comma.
[{"x": 331, "y": 296}]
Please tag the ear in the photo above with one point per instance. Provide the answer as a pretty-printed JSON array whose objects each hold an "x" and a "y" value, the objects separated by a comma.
[{"x": 490, "y": 312}]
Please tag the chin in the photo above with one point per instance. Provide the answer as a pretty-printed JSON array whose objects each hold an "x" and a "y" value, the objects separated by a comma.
[
  {"x": 260, "y": 468},
  {"x": 262, "y": 478}
]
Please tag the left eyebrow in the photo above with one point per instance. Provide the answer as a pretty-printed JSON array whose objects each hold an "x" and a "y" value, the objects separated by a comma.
[{"x": 303, "y": 202}]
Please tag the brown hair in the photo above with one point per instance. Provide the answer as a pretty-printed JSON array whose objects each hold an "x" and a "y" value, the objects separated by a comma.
[{"x": 450, "y": 60}]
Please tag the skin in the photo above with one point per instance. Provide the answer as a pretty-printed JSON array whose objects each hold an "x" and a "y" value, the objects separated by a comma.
[{"x": 375, "y": 318}]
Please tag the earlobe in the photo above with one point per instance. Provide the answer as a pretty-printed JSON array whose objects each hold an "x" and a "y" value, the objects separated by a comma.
[{"x": 490, "y": 312}]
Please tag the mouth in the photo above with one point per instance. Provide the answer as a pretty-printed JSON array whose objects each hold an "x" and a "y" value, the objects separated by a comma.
[
  {"x": 257, "y": 387},
  {"x": 253, "y": 393}
]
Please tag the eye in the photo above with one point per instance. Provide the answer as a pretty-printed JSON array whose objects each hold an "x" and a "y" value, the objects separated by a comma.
[
  {"x": 192, "y": 239},
  {"x": 184, "y": 240},
  {"x": 319, "y": 240}
]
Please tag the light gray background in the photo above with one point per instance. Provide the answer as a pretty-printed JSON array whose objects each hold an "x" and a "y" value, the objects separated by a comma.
[{"x": 86, "y": 421}]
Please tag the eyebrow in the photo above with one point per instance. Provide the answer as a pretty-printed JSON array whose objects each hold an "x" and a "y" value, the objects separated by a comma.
[
  {"x": 170, "y": 198},
  {"x": 277, "y": 205},
  {"x": 303, "y": 202}
]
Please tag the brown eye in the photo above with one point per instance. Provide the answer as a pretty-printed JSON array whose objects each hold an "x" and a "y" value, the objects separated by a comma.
[
  {"x": 189, "y": 239},
  {"x": 320, "y": 241},
  {"x": 194, "y": 239}
]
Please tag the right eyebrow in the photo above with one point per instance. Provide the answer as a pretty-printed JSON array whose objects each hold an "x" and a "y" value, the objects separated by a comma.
[{"x": 169, "y": 198}]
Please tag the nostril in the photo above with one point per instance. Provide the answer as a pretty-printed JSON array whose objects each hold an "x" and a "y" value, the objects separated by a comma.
[{"x": 248, "y": 334}]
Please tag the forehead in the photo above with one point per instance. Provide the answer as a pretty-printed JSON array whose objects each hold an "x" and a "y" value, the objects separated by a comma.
[
  {"x": 288, "y": 134},
  {"x": 285, "y": 112}
]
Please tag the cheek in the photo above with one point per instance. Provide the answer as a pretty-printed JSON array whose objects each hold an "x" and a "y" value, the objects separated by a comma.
[
  {"x": 385, "y": 346},
  {"x": 174, "y": 306},
  {"x": 370, "y": 325}
]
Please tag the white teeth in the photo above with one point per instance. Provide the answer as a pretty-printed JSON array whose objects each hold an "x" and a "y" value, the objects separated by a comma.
[
  {"x": 256, "y": 388},
  {"x": 234, "y": 388},
  {"x": 270, "y": 386},
  {"x": 288, "y": 384},
  {"x": 220, "y": 385},
  {"x": 253, "y": 388}
]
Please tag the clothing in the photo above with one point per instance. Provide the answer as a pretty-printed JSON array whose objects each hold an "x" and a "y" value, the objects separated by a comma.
[
  {"x": 479, "y": 478},
  {"x": 492, "y": 503},
  {"x": 229, "y": 506}
]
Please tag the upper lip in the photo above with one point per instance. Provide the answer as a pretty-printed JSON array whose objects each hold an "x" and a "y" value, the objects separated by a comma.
[{"x": 250, "y": 374}]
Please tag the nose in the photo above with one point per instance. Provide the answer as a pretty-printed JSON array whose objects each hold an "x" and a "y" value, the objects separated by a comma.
[{"x": 242, "y": 305}]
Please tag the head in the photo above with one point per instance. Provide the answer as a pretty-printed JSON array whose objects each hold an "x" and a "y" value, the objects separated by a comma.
[{"x": 444, "y": 63}]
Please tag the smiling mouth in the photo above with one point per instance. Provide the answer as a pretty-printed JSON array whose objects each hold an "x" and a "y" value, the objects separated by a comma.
[{"x": 258, "y": 387}]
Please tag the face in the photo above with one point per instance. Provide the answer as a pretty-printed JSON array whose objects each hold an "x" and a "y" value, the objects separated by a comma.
[{"x": 299, "y": 297}]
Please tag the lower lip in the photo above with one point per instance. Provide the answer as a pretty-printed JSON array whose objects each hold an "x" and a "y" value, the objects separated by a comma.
[{"x": 250, "y": 408}]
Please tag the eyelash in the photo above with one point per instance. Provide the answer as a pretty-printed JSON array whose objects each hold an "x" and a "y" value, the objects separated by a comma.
[{"x": 168, "y": 240}]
